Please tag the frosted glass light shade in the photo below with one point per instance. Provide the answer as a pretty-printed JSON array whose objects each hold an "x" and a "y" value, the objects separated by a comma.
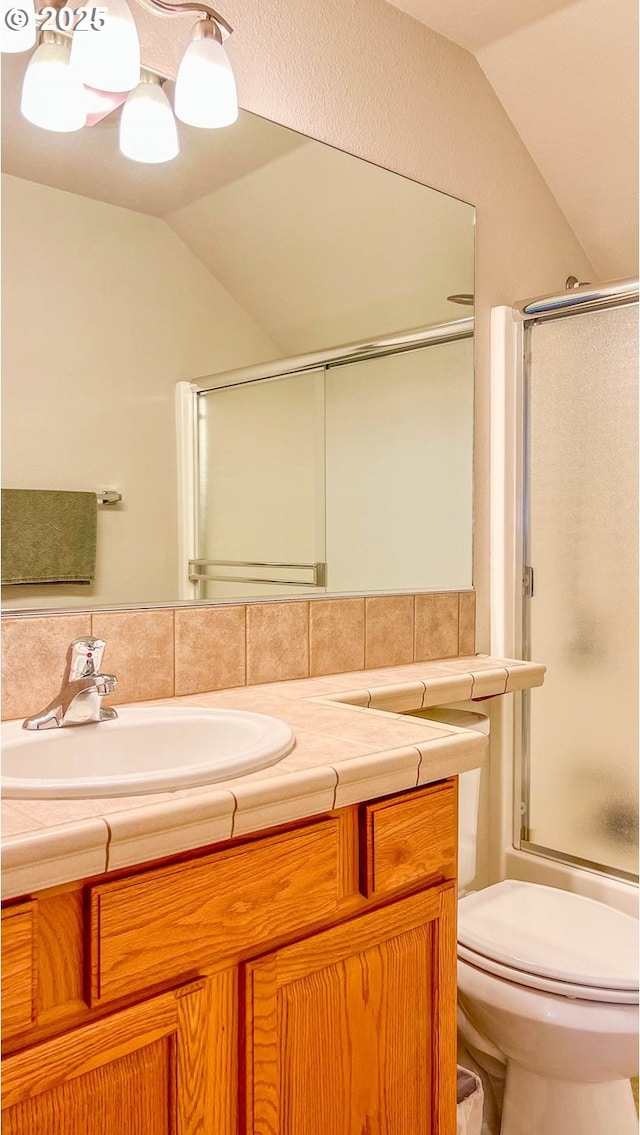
[
  {"x": 205, "y": 87},
  {"x": 148, "y": 131},
  {"x": 19, "y": 30},
  {"x": 108, "y": 58},
  {"x": 52, "y": 95}
]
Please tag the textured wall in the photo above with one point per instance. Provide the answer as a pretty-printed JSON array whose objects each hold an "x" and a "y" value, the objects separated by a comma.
[{"x": 362, "y": 76}]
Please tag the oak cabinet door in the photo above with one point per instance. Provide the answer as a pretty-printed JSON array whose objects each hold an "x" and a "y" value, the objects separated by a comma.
[
  {"x": 353, "y": 1031},
  {"x": 141, "y": 1071}
]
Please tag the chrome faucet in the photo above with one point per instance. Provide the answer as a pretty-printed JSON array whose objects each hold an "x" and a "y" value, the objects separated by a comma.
[{"x": 78, "y": 702}]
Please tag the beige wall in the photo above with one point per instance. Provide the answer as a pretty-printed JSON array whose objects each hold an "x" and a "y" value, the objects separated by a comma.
[
  {"x": 578, "y": 69},
  {"x": 323, "y": 248},
  {"x": 104, "y": 309},
  {"x": 368, "y": 79}
]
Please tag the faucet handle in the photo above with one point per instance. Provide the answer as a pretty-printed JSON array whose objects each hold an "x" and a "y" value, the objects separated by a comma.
[
  {"x": 84, "y": 658},
  {"x": 106, "y": 684}
]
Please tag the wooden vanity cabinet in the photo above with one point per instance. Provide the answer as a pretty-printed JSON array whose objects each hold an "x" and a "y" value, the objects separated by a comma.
[
  {"x": 145, "y": 1070},
  {"x": 297, "y": 1008}
]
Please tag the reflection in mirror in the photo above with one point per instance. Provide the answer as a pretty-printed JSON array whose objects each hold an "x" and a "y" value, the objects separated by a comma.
[
  {"x": 121, "y": 281},
  {"x": 352, "y": 476}
]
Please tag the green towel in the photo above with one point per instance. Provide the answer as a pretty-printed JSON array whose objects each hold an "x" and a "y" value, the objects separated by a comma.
[{"x": 48, "y": 536}]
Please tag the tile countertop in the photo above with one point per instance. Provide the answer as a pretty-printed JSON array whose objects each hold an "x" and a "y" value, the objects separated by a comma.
[{"x": 344, "y": 754}]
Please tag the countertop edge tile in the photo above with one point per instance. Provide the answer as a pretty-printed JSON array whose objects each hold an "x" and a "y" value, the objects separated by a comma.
[
  {"x": 449, "y": 688},
  {"x": 379, "y": 774},
  {"x": 293, "y": 796},
  {"x": 141, "y": 835},
  {"x": 521, "y": 679},
  {"x": 48, "y": 857},
  {"x": 452, "y": 756}
]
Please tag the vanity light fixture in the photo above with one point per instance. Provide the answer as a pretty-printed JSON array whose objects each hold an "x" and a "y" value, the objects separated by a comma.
[
  {"x": 83, "y": 70},
  {"x": 205, "y": 87},
  {"x": 52, "y": 94},
  {"x": 107, "y": 57},
  {"x": 148, "y": 130}
]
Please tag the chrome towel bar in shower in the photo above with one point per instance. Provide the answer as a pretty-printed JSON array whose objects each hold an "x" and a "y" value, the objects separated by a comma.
[{"x": 197, "y": 572}]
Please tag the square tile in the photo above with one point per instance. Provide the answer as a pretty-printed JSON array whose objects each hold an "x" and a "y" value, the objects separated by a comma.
[
  {"x": 15, "y": 821},
  {"x": 388, "y": 630},
  {"x": 277, "y": 642},
  {"x": 34, "y": 652},
  {"x": 210, "y": 652},
  {"x": 436, "y": 634},
  {"x": 336, "y": 636},
  {"x": 139, "y": 652},
  {"x": 466, "y": 622}
]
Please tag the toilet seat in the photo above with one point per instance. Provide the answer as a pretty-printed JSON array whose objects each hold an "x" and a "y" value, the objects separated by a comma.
[
  {"x": 547, "y": 984},
  {"x": 551, "y": 940}
]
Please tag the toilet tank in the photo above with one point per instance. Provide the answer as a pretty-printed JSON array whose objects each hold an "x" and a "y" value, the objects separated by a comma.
[{"x": 464, "y": 715}]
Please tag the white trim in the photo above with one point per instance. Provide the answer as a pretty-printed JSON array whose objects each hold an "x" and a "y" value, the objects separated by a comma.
[
  {"x": 186, "y": 443},
  {"x": 435, "y": 335},
  {"x": 505, "y": 574},
  {"x": 505, "y": 516}
]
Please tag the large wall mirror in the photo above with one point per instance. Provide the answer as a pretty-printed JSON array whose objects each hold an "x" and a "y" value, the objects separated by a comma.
[{"x": 176, "y": 333}]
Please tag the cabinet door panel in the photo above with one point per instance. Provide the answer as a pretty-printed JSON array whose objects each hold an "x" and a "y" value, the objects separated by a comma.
[
  {"x": 410, "y": 838},
  {"x": 350, "y": 1024},
  {"x": 130, "y": 1096},
  {"x": 352, "y": 1032},
  {"x": 143, "y": 1071},
  {"x": 163, "y": 924},
  {"x": 18, "y": 968}
]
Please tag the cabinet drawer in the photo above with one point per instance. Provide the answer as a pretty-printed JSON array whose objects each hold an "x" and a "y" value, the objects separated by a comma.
[
  {"x": 170, "y": 921},
  {"x": 18, "y": 968},
  {"x": 409, "y": 838}
]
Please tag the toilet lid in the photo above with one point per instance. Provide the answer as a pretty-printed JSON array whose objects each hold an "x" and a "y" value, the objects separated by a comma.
[{"x": 546, "y": 931}]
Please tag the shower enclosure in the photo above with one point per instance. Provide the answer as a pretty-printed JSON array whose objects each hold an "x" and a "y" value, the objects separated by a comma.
[{"x": 573, "y": 481}]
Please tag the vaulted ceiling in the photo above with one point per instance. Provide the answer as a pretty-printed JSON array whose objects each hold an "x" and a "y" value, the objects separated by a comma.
[{"x": 566, "y": 72}]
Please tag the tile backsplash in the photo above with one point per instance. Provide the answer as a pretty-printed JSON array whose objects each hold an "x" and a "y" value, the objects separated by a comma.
[{"x": 159, "y": 652}]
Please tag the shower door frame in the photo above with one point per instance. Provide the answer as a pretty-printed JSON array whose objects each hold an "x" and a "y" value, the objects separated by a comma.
[{"x": 512, "y": 576}]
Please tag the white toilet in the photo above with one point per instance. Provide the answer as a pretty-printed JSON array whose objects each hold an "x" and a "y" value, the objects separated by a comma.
[{"x": 548, "y": 996}]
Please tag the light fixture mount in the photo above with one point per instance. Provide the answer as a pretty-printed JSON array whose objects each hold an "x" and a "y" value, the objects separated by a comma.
[{"x": 169, "y": 8}]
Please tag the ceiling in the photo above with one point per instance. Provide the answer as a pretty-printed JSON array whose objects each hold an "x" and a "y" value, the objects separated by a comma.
[
  {"x": 475, "y": 23},
  {"x": 89, "y": 163},
  {"x": 566, "y": 72}
]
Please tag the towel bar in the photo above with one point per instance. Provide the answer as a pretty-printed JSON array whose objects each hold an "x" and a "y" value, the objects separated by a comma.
[{"x": 197, "y": 572}]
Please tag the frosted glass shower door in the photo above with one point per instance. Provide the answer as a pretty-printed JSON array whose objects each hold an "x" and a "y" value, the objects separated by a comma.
[
  {"x": 582, "y": 621},
  {"x": 261, "y": 486},
  {"x": 399, "y": 437}
]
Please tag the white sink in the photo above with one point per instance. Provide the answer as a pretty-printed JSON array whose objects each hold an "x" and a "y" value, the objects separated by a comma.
[{"x": 142, "y": 750}]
